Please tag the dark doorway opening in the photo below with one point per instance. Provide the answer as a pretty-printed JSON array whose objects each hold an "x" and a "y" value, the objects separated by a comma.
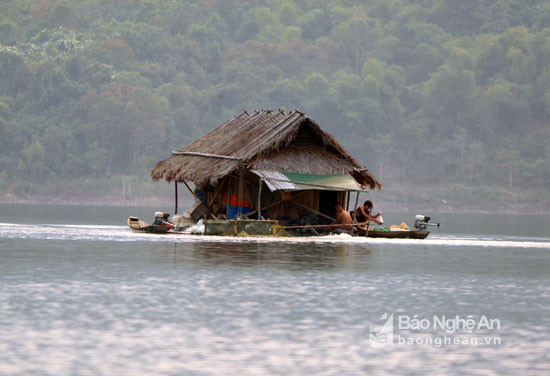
[{"x": 327, "y": 200}]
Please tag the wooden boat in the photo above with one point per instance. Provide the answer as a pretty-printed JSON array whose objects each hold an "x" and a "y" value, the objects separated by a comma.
[
  {"x": 267, "y": 228},
  {"x": 139, "y": 225},
  {"x": 411, "y": 234},
  {"x": 272, "y": 228}
]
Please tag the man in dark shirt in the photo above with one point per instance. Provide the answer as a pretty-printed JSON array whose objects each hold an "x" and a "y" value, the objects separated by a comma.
[{"x": 364, "y": 213}]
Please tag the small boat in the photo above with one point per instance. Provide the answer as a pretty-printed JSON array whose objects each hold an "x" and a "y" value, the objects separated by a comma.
[
  {"x": 158, "y": 227},
  {"x": 420, "y": 231},
  {"x": 411, "y": 234}
]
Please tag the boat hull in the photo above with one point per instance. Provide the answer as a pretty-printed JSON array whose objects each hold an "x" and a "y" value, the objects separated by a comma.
[
  {"x": 398, "y": 234},
  {"x": 260, "y": 228},
  {"x": 140, "y": 226}
]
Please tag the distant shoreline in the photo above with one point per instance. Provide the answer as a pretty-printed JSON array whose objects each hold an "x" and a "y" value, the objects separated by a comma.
[
  {"x": 142, "y": 192},
  {"x": 381, "y": 205},
  {"x": 147, "y": 202},
  {"x": 512, "y": 209}
]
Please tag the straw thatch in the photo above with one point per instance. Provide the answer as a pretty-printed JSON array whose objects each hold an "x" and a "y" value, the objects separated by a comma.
[{"x": 266, "y": 140}]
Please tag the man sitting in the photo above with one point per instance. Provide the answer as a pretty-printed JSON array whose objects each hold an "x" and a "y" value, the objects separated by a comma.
[
  {"x": 364, "y": 214},
  {"x": 343, "y": 218}
]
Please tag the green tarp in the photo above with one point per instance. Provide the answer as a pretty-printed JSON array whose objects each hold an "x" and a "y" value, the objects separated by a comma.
[
  {"x": 343, "y": 182},
  {"x": 288, "y": 181}
]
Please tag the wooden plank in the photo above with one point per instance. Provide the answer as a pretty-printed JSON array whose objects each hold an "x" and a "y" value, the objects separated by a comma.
[
  {"x": 259, "y": 203},
  {"x": 266, "y": 207},
  {"x": 190, "y": 190},
  {"x": 217, "y": 193},
  {"x": 323, "y": 226},
  {"x": 312, "y": 210},
  {"x": 205, "y": 155}
]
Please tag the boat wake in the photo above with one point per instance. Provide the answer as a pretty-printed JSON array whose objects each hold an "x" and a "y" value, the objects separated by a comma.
[{"x": 123, "y": 234}]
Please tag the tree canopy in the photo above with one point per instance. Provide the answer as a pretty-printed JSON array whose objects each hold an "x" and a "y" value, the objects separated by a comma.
[{"x": 420, "y": 91}]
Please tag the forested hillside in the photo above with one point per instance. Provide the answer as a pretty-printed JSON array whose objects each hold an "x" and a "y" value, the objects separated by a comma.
[{"x": 423, "y": 92}]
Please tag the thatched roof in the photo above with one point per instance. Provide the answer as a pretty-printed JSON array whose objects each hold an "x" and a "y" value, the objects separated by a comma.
[{"x": 265, "y": 140}]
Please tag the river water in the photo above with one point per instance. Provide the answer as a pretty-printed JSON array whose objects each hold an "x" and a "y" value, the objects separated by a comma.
[{"x": 80, "y": 294}]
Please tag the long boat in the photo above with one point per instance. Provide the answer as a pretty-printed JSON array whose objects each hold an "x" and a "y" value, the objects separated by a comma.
[{"x": 251, "y": 227}]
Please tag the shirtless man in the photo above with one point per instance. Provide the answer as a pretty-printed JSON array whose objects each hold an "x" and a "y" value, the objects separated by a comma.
[
  {"x": 364, "y": 213},
  {"x": 342, "y": 218}
]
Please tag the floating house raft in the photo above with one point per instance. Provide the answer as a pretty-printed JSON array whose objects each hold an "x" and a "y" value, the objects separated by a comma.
[{"x": 277, "y": 167}]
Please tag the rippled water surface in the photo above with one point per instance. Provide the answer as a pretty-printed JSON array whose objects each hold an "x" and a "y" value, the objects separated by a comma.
[{"x": 81, "y": 294}]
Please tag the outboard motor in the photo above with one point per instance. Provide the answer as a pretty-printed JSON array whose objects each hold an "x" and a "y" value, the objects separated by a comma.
[
  {"x": 421, "y": 222},
  {"x": 161, "y": 220}
]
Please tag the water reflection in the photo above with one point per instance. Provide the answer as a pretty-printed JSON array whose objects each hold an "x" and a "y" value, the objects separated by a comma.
[{"x": 298, "y": 257}]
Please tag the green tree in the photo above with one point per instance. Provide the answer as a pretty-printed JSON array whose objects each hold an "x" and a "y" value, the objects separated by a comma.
[
  {"x": 508, "y": 104},
  {"x": 449, "y": 94},
  {"x": 33, "y": 160},
  {"x": 289, "y": 13},
  {"x": 316, "y": 85},
  {"x": 9, "y": 32}
]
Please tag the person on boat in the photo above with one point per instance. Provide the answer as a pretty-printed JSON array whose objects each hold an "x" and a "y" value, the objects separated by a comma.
[
  {"x": 343, "y": 218},
  {"x": 364, "y": 214}
]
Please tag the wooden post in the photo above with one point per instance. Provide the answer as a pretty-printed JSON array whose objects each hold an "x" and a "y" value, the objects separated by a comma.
[
  {"x": 190, "y": 190},
  {"x": 260, "y": 199},
  {"x": 175, "y": 197},
  {"x": 241, "y": 184},
  {"x": 348, "y": 194},
  {"x": 355, "y": 207},
  {"x": 228, "y": 194},
  {"x": 219, "y": 189}
]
